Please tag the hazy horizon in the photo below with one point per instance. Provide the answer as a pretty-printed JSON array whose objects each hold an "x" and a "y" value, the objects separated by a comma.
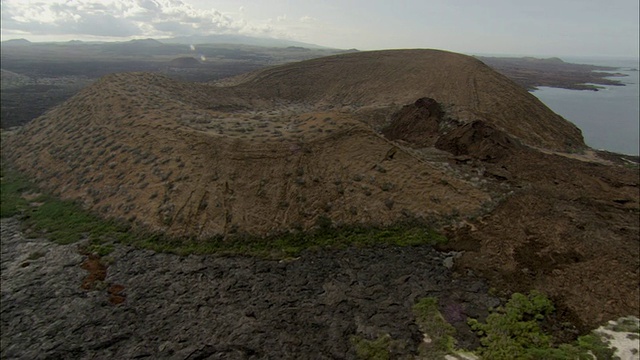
[{"x": 544, "y": 28}]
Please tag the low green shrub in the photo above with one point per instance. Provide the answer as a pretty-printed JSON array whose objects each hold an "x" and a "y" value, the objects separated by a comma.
[
  {"x": 65, "y": 222},
  {"x": 432, "y": 324},
  {"x": 12, "y": 186},
  {"x": 377, "y": 349},
  {"x": 514, "y": 332}
]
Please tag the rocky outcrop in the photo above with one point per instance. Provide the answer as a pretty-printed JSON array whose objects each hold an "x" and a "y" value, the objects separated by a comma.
[
  {"x": 480, "y": 141},
  {"x": 417, "y": 124}
]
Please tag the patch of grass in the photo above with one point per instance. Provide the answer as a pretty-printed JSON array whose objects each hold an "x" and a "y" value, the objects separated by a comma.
[
  {"x": 63, "y": 222},
  {"x": 66, "y": 222},
  {"x": 100, "y": 249},
  {"x": 438, "y": 342},
  {"x": 514, "y": 332},
  {"x": 292, "y": 243},
  {"x": 12, "y": 186},
  {"x": 382, "y": 348},
  {"x": 625, "y": 325},
  {"x": 438, "y": 332},
  {"x": 372, "y": 349},
  {"x": 591, "y": 343}
]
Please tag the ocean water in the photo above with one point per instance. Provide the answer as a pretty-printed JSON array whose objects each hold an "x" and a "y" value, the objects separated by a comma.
[{"x": 609, "y": 118}]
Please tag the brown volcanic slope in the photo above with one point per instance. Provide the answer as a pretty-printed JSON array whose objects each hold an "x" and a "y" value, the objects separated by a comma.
[
  {"x": 285, "y": 147},
  {"x": 143, "y": 147},
  {"x": 468, "y": 89}
]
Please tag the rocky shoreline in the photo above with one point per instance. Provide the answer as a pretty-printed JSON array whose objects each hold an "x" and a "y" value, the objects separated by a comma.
[{"x": 212, "y": 307}]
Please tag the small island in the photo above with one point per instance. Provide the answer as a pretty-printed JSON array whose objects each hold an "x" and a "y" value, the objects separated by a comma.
[{"x": 553, "y": 72}]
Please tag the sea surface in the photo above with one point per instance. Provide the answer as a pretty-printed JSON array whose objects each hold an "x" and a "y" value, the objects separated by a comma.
[{"x": 608, "y": 118}]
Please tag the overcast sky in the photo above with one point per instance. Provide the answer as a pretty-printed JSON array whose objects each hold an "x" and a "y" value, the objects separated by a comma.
[{"x": 514, "y": 27}]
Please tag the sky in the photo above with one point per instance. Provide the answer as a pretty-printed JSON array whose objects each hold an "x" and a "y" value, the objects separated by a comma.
[{"x": 509, "y": 27}]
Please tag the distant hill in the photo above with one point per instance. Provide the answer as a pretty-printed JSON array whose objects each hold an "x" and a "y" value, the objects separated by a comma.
[
  {"x": 532, "y": 72},
  {"x": 290, "y": 170},
  {"x": 238, "y": 39},
  {"x": 144, "y": 42},
  {"x": 135, "y": 47},
  {"x": 16, "y": 42},
  {"x": 288, "y": 128},
  {"x": 552, "y": 60},
  {"x": 188, "y": 40},
  {"x": 470, "y": 89},
  {"x": 10, "y": 76}
]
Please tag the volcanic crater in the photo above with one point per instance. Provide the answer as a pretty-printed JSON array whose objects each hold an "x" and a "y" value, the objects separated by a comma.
[{"x": 366, "y": 138}]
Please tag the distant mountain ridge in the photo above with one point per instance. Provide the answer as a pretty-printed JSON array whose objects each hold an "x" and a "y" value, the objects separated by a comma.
[
  {"x": 238, "y": 39},
  {"x": 186, "y": 40},
  {"x": 17, "y": 42}
]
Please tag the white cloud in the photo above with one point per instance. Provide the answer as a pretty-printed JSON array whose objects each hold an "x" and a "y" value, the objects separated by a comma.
[
  {"x": 307, "y": 19},
  {"x": 120, "y": 18}
]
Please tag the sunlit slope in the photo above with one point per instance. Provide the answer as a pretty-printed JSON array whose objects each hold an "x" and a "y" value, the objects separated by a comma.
[{"x": 145, "y": 148}]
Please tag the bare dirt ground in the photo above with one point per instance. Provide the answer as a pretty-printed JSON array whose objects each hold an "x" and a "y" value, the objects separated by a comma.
[{"x": 570, "y": 229}]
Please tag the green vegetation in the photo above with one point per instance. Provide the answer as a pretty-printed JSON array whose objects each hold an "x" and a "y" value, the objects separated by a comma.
[
  {"x": 99, "y": 249},
  {"x": 514, "y": 332},
  {"x": 12, "y": 186},
  {"x": 66, "y": 222},
  {"x": 625, "y": 325},
  {"x": 292, "y": 243},
  {"x": 511, "y": 332},
  {"x": 433, "y": 325},
  {"x": 378, "y": 349},
  {"x": 437, "y": 344},
  {"x": 63, "y": 222}
]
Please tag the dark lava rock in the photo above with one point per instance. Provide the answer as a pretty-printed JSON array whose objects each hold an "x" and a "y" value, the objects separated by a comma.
[
  {"x": 211, "y": 307},
  {"x": 185, "y": 62},
  {"x": 479, "y": 140},
  {"x": 417, "y": 123}
]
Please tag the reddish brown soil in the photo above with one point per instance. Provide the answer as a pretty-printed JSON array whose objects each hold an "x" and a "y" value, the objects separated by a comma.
[
  {"x": 115, "y": 294},
  {"x": 570, "y": 229},
  {"x": 97, "y": 272}
]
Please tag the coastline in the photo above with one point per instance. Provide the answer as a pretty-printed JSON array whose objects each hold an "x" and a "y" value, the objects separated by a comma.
[
  {"x": 533, "y": 73},
  {"x": 608, "y": 118}
]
